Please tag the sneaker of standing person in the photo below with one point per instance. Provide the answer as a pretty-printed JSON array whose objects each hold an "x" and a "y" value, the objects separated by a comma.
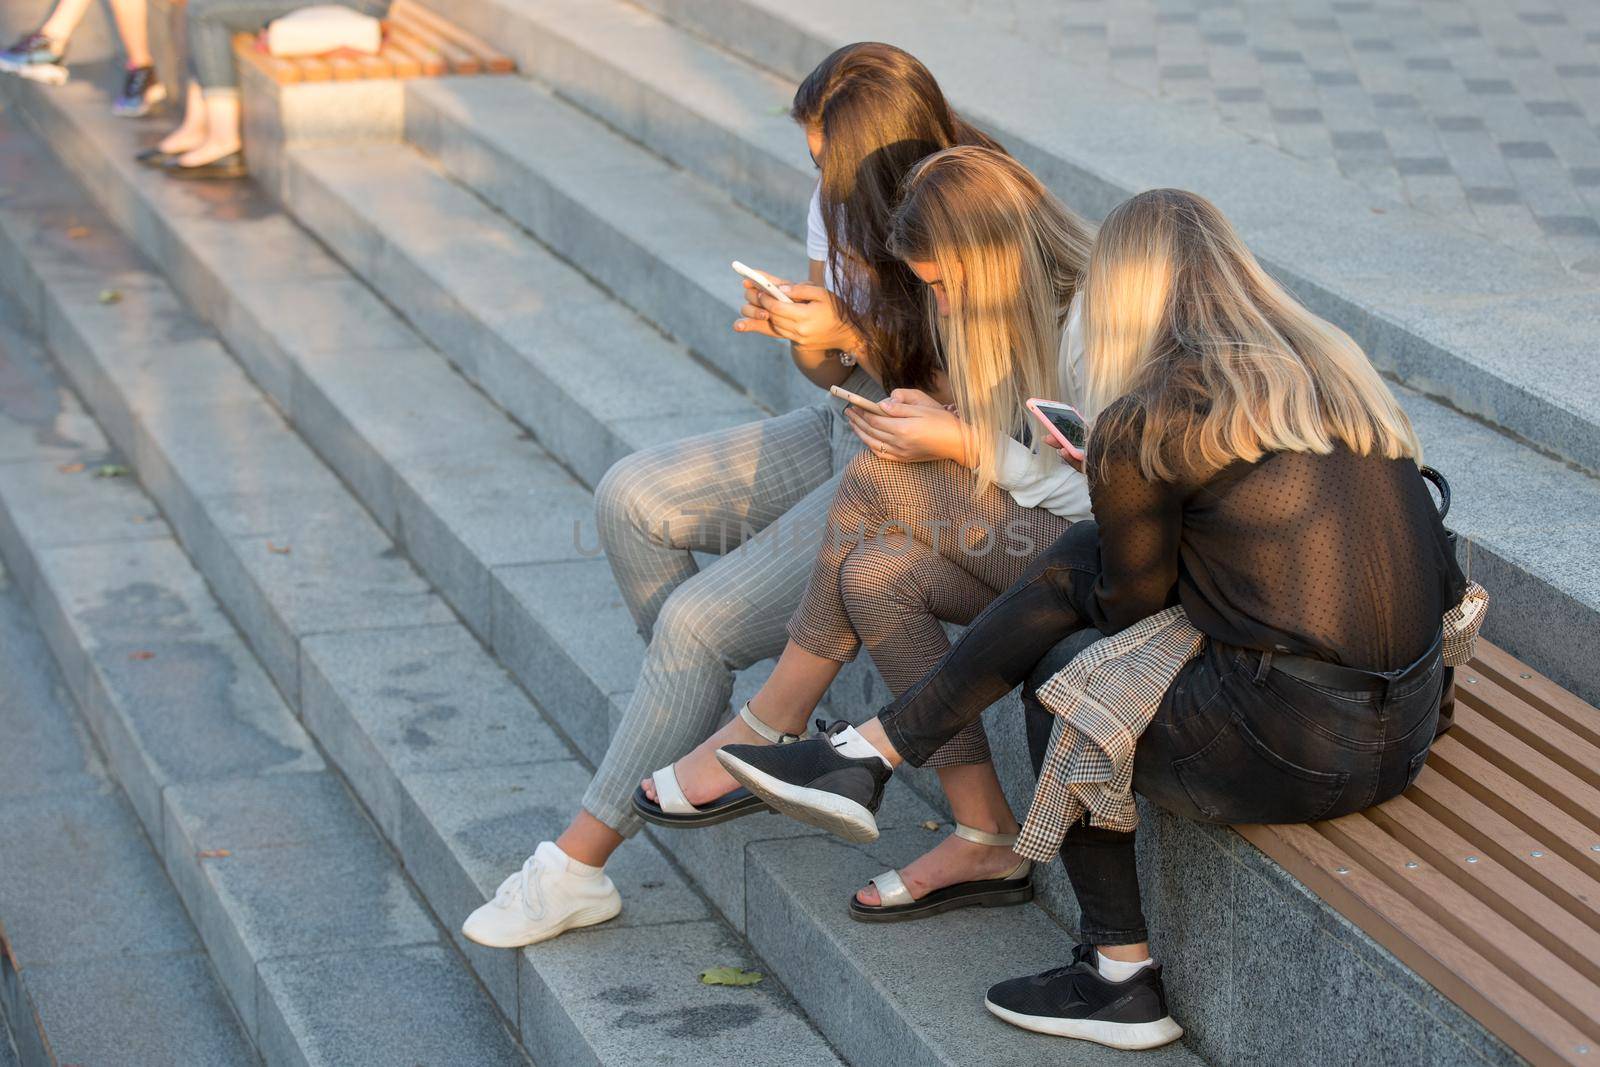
[
  {"x": 1079, "y": 1001},
  {"x": 141, "y": 94},
  {"x": 551, "y": 894},
  {"x": 37, "y": 57}
]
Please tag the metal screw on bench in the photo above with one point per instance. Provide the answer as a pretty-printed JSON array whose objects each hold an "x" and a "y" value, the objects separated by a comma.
[
  {"x": 1536, "y": 854},
  {"x": 1594, "y": 848},
  {"x": 1527, "y": 676},
  {"x": 1472, "y": 859},
  {"x": 1472, "y": 681},
  {"x": 1342, "y": 870},
  {"x": 1412, "y": 865}
]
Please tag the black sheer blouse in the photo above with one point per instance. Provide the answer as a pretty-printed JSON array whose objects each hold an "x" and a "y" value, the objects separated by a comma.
[{"x": 1340, "y": 557}]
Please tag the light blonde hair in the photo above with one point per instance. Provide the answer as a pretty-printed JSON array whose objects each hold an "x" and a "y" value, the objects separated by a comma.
[
  {"x": 1221, "y": 363},
  {"x": 1010, "y": 255}
]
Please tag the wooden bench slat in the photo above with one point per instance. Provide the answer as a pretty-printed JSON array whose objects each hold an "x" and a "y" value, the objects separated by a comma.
[
  {"x": 404, "y": 63},
  {"x": 1573, "y": 888},
  {"x": 345, "y": 68},
  {"x": 1529, "y": 963},
  {"x": 1563, "y": 788},
  {"x": 1500, "y": 887},
  {"x": 1567, "y": 708},
  {"x": 314, "y": 69},
  {"x": 1512, "y": 1012},
  {"x": 281, "y": 71},
  {"x": 1529, "y": 724},
  {"x": 460, "y": 60},
  {"x": 1515, "y": 800},
  {"x": 493, "y": 60},
  {"x": 431, "y": 62}
]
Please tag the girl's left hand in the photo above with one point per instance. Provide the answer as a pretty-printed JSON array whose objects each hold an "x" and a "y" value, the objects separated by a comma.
[{"x": 917, "y": 428}]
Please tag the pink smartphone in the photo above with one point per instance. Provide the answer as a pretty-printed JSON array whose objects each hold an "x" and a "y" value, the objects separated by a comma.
[
  {"x": 1064, "y": 424},
  {"x": 857, "y": 400}
]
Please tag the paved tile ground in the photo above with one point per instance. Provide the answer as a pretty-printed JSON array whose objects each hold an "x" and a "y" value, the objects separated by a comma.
[{"x": 1484, "y": 112}]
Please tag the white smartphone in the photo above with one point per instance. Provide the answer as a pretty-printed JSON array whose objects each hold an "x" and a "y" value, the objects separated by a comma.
[
  {"x": 1065, "y": 426},
  {"x": 762, "y": 280},
  {"x": 857, "y": 400}
]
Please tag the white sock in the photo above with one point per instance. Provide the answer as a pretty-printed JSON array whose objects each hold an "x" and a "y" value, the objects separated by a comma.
[
  {"x": 582, "y": 870},
  {"x": 848, "y": 742},
  {"x": 1118, "y": 971}
]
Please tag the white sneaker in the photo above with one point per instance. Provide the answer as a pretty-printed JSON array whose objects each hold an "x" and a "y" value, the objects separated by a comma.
[{"x": 544, "y": 899}]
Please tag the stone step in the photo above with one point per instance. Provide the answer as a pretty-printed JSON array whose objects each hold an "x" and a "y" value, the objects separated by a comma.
[
  {"x": 1489, "y": 330},
  {"x": 656, "y": 237},
  {"x": 98, "y": 961},
  {"x": 280, "y": 871},
  {"x": 305, "y": 571},
  {"x": 701, "y": 107}
]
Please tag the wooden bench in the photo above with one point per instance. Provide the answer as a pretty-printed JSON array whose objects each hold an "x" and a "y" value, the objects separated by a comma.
[
  {"x": 1484, "y": 876},
  {"x": 417, "y": 43}
]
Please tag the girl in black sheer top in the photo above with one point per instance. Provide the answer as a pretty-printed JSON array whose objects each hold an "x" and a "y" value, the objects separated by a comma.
[{"x": 1249, "y": 464}]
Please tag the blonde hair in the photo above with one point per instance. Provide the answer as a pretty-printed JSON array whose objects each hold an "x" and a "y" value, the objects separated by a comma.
[
  {"x": 1220, "y": 362},
  {"x": 1010, "y": 255}
]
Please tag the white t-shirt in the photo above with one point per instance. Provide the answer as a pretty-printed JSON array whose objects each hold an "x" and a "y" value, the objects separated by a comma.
[
  {"x": 1051, "y": 483},
  {"x": 817, "y": 239}
]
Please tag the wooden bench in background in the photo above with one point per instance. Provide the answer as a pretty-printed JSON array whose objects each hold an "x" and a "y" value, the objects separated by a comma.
[
  {"x": 1484, "y": 876},
  {"x": 417, "y": 43}
]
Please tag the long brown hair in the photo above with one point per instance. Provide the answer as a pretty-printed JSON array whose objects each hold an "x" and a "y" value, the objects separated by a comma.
[
  {"x": 879, "y": 111},
  {"x": 1220, "y": 363},
  {"x": 1010, "y": 255}
]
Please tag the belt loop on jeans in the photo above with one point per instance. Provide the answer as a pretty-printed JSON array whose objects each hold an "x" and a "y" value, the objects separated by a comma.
[{"x": 1264, "y": 667}]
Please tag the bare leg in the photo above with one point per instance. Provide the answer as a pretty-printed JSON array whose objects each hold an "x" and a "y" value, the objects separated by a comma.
[
  {"x": 64, "y": 19},
  {"x": 191, "y": 132},
  {"x": 784, "y": 703},
  {"x": 134, "y": 29},
  {"x": 588, "y": 840},
  {"x": 1125, "y": 953},
  {"x": 222, "y": 129}
]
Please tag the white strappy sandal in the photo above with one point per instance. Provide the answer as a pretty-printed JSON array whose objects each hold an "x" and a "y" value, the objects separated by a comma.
[
  {"x": 896, "y": 904},
  {"x": 674, "y": 809}
]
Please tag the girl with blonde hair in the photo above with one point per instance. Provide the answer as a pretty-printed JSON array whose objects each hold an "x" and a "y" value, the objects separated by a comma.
[
  {"x": 1250, "y": 466},
  {"x": 948, "y": 507}
]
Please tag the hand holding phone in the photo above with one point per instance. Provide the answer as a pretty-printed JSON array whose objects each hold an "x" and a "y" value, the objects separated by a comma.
[
  {"x": 767, "y": 285},
  {"x": 1064, "y": 426},
  {"x": 857, "y": 400}
]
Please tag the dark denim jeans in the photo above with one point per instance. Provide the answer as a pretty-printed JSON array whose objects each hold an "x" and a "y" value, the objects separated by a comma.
[{"x": 1232, "y": 742}]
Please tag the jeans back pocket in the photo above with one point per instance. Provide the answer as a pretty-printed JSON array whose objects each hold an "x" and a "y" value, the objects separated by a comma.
[{"x": 1237, "y": 778}]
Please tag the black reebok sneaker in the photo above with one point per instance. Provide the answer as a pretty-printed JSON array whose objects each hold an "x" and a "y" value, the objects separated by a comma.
[
  {"x": 1074, "y": 1001},
  {"x": 814, "y": 782}
]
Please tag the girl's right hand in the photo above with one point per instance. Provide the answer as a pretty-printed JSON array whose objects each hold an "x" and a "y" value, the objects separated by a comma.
[
  {"x": 754, "y": 317},
  {"x": 813, "y": 321}
]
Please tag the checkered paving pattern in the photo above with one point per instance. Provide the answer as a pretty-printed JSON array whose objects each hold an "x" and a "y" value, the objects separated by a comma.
[{"x": 1483, "y": 112}]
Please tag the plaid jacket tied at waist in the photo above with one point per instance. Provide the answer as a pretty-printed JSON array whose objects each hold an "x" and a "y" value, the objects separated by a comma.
[{"x": 1105, "y": 698}]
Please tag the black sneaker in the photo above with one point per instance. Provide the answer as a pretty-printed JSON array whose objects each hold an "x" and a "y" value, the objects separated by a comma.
[
  {"x": 811, "y": 781},
  {"x": 1074, "y": 1001},
  {"x": 141, "y": 94},
  {"x": 34, "y": 56}
]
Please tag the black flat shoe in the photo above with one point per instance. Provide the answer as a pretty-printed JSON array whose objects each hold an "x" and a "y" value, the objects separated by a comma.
[
  {"x": 730, "y": 805},
  {"x": 229, "y": 166},
  {"x": 813, "y": 782},
  {"x": 1074, "y": 1001},
  {"x": 155, "y": 157}
]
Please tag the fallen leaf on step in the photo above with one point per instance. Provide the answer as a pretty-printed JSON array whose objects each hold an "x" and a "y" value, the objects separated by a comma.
[
  {"x": 111, "y": 470},
  {"x": 281, "y": 550},
  {"x": 929, "y": 824},
  {"x": 730, "y": 976},
  {"x": 77, "y": 233},
  {"x": 141, "y": 655},
  {"x": 71, "y": 468},
  {"x": 213, "y": 853},
  {"x": 110, "y": 296}
]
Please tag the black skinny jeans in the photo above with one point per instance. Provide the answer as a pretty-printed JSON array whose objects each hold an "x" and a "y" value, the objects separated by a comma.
[{"x": 1233, "y": 741}]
